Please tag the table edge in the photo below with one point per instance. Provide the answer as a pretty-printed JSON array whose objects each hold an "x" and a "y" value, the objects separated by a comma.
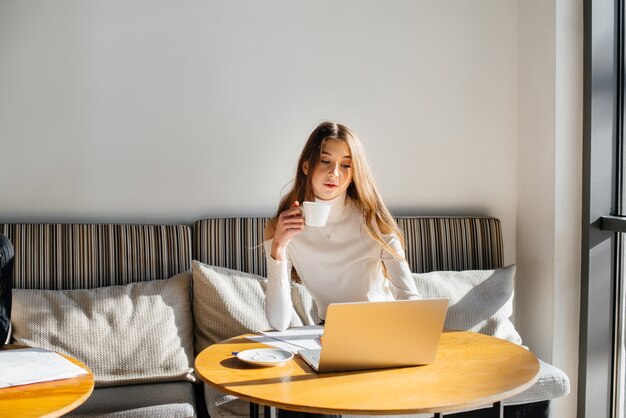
[
  {"x": 478, "y": 404},
  {"x": 78, "y": 401}
]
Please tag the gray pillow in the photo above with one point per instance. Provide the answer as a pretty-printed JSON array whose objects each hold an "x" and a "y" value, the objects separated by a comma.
[
  {"x": 480, "y": 300},
  {"x": 138, "y": 333},
  {"x": 228, "y": 302}
]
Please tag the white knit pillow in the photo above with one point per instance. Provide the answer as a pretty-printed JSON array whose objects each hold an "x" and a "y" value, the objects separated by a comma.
[
  {"x": 480, "y": 300},
  {"x": 228, "y": 302},
  {"x": 138, "y": 333}
]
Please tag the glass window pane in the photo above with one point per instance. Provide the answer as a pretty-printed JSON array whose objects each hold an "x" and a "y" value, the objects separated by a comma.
[{"x": 620, "y": 343}]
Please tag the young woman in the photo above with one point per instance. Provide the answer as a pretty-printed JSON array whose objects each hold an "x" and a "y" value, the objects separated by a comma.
[{"x": 357, "y": 256}]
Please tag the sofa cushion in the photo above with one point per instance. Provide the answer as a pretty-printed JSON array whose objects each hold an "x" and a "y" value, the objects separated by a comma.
[
  {"x": 552, "y": 383},
  {"x": 138, "y": 333},
  {"x": 228, "y": 302},
  {"x": 480, "y": 300},
  {"x": 223, "y": 405},
  {"x": 166, "y": 400}
]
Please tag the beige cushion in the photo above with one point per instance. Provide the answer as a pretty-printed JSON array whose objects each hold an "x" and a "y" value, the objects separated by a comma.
[
  {"x": 480, "y": 300},
  {"x": 138, "y": 333},
  {"x": 228, "y": 302}
]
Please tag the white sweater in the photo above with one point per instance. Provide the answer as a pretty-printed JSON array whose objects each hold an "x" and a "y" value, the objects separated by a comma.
[{"x": 339, "y": 262}]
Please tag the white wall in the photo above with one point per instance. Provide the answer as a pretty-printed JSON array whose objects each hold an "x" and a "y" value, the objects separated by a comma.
[
  {"x": 167, "y": 111},
  {"x": 172, "y": 111},
  {"x": 550, "y": 184}
]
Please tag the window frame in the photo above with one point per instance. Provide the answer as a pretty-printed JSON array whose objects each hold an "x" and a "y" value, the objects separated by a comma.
[{"x": 601, "y": 221}]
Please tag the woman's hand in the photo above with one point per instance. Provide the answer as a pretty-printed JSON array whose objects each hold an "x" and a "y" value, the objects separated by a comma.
[{"x": 290, "y": 223}]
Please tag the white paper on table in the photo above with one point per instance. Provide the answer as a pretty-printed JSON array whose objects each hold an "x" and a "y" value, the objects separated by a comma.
[
  {"x": 293, "y": 339},
  {"x": 23, "y": 366}
]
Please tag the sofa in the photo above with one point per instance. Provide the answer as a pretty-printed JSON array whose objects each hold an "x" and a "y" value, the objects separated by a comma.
[{"x": 137, "y": 303}]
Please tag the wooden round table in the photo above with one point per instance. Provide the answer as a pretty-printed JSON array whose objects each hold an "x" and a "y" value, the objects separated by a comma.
[
  {"x": 46, "y": 399},
  {"x": 470, "y": 371}
]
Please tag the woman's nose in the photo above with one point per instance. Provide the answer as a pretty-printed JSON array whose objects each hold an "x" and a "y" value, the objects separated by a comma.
[{"x": 334, "y": 171}]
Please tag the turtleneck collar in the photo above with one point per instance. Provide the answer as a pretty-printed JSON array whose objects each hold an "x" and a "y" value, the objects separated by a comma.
[{"x": 336, "y": 206}]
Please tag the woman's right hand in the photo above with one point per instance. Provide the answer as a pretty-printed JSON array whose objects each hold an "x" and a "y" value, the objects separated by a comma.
[{"x": 290, "y": 223}]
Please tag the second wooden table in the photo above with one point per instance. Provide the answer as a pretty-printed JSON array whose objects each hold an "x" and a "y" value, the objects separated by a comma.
[{"x": 46, "y": 399}]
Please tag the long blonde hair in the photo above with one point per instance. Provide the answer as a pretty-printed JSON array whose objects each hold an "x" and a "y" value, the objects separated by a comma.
[{"x": 362, "y": 191}]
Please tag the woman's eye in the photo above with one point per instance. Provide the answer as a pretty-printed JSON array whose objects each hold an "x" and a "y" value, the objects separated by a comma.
[
  {"x": 325, "y": 162},
  {"x": 346, "y": 165}
]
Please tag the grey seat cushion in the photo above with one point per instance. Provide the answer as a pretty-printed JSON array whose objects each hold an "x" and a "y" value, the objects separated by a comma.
[
  {"x": 551, "y": 384},
  {"x": 167, "y": 400}
]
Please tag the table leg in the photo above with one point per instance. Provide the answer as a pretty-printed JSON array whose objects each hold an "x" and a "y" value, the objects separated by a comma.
[
  {"x": 438, "y": 415},
  {"x": 497, "y": 410},
  {"x": 254, "y": 410}
]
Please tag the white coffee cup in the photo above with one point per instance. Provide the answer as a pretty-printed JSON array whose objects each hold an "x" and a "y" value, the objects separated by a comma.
[{"x": 315, "y": 213}]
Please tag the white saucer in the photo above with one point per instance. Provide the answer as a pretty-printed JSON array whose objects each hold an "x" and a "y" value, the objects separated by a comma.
[{"x": 265, "y": 356}]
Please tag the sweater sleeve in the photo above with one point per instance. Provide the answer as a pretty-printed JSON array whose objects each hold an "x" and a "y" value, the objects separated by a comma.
[
  {"x": 402, "y": 285},
  {"x": 278, "y": 304}
]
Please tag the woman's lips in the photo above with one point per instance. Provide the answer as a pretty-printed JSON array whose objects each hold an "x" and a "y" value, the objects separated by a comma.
[{"x": 331, "y": 185}]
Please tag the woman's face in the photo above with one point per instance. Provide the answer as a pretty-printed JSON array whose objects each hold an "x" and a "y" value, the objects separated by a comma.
[{"x": 333, "y": 174}]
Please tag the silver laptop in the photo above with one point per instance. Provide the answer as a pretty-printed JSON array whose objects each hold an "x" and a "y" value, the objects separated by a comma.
[{"x": 374, "y": 335}]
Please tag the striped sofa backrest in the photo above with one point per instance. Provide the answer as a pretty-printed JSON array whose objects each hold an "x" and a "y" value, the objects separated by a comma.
[
  {"x": 432, "y": 243},
  {"x": 84, "y": 256},
  {"x": 234, "y": 243},
  {"x": 452, "y": 243}
]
